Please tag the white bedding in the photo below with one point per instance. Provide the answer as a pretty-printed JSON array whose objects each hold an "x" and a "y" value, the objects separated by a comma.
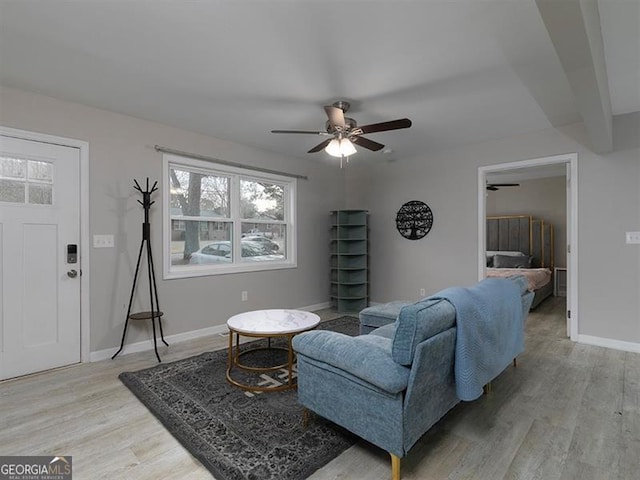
[{"x": 536, "y": 277}]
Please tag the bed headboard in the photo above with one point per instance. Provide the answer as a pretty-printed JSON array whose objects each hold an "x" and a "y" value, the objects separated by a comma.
[{"x": 522, "y": 233}]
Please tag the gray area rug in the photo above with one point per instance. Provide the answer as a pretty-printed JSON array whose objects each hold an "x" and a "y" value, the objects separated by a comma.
[{"x": 233, "y": 433}]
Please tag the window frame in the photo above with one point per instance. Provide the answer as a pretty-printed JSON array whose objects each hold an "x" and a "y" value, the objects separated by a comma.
[{"x": 235, "y": 174}]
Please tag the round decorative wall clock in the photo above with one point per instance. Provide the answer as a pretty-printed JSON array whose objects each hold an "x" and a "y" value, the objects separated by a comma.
[{"x": 414, "y": 220}]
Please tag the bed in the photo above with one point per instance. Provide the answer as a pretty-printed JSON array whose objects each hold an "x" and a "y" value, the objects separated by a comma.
[{"x": 521, "y": 245}]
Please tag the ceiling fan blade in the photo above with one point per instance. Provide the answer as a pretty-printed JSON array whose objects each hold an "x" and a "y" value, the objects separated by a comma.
[
  {"x": 494, "y": 186},
  {"x": 320, "y": 146},
  {"x": 310, "y": 132},
  {"x": 384, "y": 126},
  {"x": 336, "y": 116},
  {"x": 366, "y": 143}
]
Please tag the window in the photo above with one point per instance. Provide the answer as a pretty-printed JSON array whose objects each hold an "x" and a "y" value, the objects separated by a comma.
[{"x": 220, "y": 219}]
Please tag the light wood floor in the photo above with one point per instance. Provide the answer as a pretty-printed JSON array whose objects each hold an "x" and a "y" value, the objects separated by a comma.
[{"x": 567, "y": 411}]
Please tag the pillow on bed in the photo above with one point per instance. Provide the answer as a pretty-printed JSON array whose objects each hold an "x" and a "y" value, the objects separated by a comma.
[
  {"x": 509, "y": 253},
  {"x": 507, "y": 261}
]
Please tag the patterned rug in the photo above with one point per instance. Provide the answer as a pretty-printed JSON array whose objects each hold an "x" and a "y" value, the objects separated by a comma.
[{"x": 233, "y": 433}]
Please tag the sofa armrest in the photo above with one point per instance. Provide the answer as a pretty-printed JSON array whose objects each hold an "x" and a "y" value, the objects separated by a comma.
[{"x": 366, "y": 357}]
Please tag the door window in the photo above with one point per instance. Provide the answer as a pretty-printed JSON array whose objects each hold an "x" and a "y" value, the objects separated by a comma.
[{"x": 26, "y": 181}]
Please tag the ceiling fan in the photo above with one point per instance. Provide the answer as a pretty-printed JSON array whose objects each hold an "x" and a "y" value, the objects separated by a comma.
[
  {"x": 495, "y": 186},
  {"x": 343, "y": 132}
]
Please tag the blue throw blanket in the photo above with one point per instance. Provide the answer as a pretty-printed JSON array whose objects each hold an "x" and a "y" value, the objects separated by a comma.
[{"x": 490, "y": 332}]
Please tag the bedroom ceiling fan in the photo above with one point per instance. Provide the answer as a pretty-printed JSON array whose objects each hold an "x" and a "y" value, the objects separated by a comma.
[
  {"x": 343, "y": 132},
  {"x": 496, "y": 186}
]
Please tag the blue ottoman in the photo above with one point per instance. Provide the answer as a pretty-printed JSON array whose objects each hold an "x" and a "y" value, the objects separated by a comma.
[{"x": 379, "y": 315}]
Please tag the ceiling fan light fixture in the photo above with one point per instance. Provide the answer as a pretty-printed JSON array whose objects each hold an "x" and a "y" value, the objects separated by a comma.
[
  {"x": 340, "y": 147},
  {"x": 344, "y": 132}
]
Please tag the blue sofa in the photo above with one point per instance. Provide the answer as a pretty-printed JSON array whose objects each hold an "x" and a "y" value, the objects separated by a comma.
[{"x": 391, "y": 385}]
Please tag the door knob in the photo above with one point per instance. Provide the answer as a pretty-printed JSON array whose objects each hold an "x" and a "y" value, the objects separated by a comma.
[{"x": 72, "y": 273}]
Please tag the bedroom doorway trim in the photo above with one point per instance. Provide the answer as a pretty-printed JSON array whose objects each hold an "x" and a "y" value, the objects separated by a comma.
[
  {"x": 85, "y": 282},
  {"x": 571, "y": 162}
]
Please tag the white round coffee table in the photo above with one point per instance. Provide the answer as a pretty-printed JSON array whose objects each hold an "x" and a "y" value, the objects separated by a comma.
[{"x": 277, "y": 323}]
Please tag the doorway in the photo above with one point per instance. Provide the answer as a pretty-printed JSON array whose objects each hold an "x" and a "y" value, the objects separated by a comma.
[
  {"x": 511, "y": 170},
  {"x": 43, "y": 207}
]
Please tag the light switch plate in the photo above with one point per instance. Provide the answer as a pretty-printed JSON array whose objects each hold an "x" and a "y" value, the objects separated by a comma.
[
  {"x": 103, "y": 241},
  {"x": 633, "y": 237}
]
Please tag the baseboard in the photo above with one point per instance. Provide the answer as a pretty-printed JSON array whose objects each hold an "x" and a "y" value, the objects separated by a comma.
[
  {"x": 609, "y": 343},
  {"x": 148, "y": 344},
  {"x": 180, "y": 337},
  {"x": 317, "y": 306}
]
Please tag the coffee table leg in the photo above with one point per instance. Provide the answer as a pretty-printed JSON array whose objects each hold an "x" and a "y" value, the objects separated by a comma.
[
  {"x": 290, "y": 338},
  {"x": 230, "y": 353}
]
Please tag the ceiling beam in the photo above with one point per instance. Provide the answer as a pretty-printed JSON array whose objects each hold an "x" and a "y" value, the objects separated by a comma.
[{"x": 574, "y": 29}]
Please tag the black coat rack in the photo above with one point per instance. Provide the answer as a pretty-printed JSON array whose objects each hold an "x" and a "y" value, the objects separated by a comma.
[{"x": 155, "y": 312}]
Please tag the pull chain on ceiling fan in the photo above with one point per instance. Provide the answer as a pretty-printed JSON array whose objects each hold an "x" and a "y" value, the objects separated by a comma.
[{"x": 344, "y": 132}]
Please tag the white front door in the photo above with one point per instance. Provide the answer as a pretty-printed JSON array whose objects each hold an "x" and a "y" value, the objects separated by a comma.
[{"x": 39, "y": 283}]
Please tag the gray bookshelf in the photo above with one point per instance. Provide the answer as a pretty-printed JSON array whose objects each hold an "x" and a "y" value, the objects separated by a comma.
[{"x": 349, "y": 260}]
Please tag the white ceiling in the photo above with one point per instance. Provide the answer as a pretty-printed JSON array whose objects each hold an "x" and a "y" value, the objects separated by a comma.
[
  {"x": 462, "y": 70},
  {"x": 620, "y": 22}
]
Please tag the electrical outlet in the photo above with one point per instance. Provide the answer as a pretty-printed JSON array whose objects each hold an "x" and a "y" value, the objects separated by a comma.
[
  {"x": 244, "y": 296},
  {"x": 422, "y": 292}
]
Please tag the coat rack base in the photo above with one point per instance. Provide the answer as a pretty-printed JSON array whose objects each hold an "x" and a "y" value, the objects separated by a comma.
[{"x": 146, "y": 316}]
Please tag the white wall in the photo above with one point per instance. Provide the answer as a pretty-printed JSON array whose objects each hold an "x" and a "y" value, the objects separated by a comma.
[
  {"x": 608, "y": 203},
  {"x": 544, "y": 198},
  {"x": 121, "y": 149}
]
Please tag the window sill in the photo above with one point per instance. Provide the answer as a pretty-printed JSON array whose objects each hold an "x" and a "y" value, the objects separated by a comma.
[{"x": 208, "y": 270}]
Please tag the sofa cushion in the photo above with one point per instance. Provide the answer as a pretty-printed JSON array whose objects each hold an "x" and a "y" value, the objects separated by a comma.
[
  {"x": 383, "y": 314},
  {"x": 367, "y": 357},
  {"x": 416, "y": 323},
  {"x": 386, "y": 331}
]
